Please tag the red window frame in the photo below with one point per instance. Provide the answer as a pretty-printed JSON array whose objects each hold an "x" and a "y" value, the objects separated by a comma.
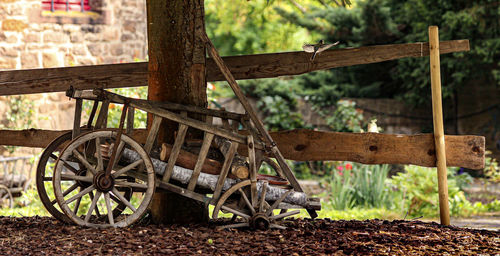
[{"x": 66, "y": 5}]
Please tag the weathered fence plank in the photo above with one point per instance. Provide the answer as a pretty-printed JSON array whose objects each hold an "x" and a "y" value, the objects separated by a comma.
[
  {"x": 374, "y": 148},
  {"x": 242, "y": 67},
  {"x": 309, "y": 145}
]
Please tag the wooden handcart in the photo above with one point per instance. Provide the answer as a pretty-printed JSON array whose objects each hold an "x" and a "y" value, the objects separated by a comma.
[
  {"x": 106, "y": 177},
  {"x": 15, "y": 178}
]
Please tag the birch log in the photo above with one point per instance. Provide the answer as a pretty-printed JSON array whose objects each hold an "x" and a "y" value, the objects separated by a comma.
[
  {"x": 209, "y": 181},
  {"x": 239, "y": 167}
]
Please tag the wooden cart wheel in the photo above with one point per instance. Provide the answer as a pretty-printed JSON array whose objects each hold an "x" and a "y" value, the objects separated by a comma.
[
  {"x": 237, "y": 200},
  {"x": 99, "y": 194},
  {"x": 44, "y": 173},
  {"x": 6, "y": 196}
]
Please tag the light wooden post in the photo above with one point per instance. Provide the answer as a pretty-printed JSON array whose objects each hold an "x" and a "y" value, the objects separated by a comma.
[{"x": 437, "y": 113}]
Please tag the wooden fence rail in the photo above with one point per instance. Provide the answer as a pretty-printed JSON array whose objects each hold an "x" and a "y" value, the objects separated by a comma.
[
  {"x": 309, "y": 145},
  {"x": 30, "y": 81}
]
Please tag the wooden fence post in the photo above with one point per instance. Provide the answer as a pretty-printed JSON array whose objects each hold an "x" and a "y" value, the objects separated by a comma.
[{"x": 437, "y": 113}]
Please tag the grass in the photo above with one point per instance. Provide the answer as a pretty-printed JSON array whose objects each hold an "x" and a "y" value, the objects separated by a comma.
[{"x": 30, "y": 205}]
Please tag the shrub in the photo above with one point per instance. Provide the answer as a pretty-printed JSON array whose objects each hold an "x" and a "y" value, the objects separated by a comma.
[{"x": 417, "y": 190}]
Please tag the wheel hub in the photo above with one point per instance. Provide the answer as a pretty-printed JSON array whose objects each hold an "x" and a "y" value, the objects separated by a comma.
[
  {"x": 103, "y": 182},
  {"x": 259, "y": 221}
]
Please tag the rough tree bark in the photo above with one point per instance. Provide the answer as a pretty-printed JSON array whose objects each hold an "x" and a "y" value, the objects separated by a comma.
[{"x": 176, "y": 74}]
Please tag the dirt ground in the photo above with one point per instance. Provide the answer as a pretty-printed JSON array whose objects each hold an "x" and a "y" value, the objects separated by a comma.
[{"x": 46, "y": 236}]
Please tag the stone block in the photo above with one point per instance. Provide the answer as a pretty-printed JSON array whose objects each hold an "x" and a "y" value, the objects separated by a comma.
[
  {"x": 58, "y": 96},
  {"x": 13, "y": 25},
  {"x": 127, "y": 37},
  {"x": 12, "y": 38},
  {"x": 54, "y": 37},
  {"x": 111, "y": 34},
  {"x": 76, "y": 37},
  {"x": 9, "y": 52},
  {"x": 45, "y": 107},
  {"x": 92, "y": 37},
  {"x": 29, "y": 60},
  {"x": 17, "y": 10},
  {"x": 79, "y": 50},
  {"x": 7, "y": 63},
  {"x": 116, "y": 49},
  {"x": 129, "y": 25},
  {"x": 51, "y": 59},
  {"x": 110, "y": 60},
  {"x": 66, "y": 105},
  {"x": 85, "y": 61},
  {"x": 95, "y": 49},
  {"x": 32, "y": 38},
  {"x": 34, "y": 47}
]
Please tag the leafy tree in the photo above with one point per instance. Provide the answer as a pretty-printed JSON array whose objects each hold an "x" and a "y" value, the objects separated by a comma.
[{"x": 391, "y": 21}]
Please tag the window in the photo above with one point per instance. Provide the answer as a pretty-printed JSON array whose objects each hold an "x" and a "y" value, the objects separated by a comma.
[
  {"x": 66, "y": 5},
  {"x": 71, "y": 11}
]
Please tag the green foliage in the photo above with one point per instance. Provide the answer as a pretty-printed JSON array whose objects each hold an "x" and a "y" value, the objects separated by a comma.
[
  {"x": 246, "y": 27},
  {"x": 491, "y": 168},
  {"x": 356, "y": 185},
  {"x": 392, "y": 21},
  {"x": 417, "y": 191},
  {"x": 278, "y": 115},
  {"x": 328, "y": 211},
  {"x": 21, "y": 113},
  {"x": 27, "y": 205},
  {"x": 342, "y": 190},
  {"x": 115, "y": 110},
  {"x": 345, "y": 118},
  {"x": 280, "y": 108}
]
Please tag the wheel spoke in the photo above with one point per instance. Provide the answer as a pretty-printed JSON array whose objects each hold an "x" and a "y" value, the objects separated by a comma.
[
  {"x": 98, "y": 152},
  {"x": 263, "y": 196},
  {"x": 123, "y": 200},
  {"x": 245, "y": 198},
  {"x": 68, "y": 166},
  {"x": 233, "y": 211},
  {"x": 75, "y": 177},
  {"x": 84, "y": 162},
  {"x": 92, "y": 206},
  {"x": 127, "y": 168},
  {"x": 77, "y": 205},
  {"x": 131, "y": 184},
  {"x": 277, "y": 226},
  {"x": 119, "y": 152},
  {"x": 237, "y": 225},
  {"x": 53, "y": 156},
  {"x": 82, "y": 193},
  {"x": 110, "y": 210},
  {"x": 65, "y": 193},
  {"x": 98, "y": 194},
  {"x": 277, "y": 202},
  {"x": 283, "y": 215}
]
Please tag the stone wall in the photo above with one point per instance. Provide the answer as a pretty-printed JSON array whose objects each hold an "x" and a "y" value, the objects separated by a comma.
[{"x": 114, "y": 32}]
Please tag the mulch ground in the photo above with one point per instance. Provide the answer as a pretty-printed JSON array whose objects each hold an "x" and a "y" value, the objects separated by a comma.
[{"x": 44, "y": 235}]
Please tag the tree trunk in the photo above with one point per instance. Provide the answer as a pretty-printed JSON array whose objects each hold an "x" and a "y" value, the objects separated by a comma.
[{"x": 176, "y": 74}]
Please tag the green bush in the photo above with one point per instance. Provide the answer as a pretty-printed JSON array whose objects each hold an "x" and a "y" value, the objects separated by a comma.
[
  {"x": 491, "y": 169},
  {"x": 346, "y": 118},
  {"x": 417, "y": 191}
]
